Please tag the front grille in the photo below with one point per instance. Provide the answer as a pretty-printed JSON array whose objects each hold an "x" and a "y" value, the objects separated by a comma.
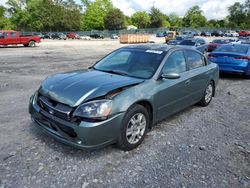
[{"x": 55, "y": 108}]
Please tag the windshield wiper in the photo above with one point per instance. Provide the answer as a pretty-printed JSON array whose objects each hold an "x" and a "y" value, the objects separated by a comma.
[{"x": 114, "y": 72}]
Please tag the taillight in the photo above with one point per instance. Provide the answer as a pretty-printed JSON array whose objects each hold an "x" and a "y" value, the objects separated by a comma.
[{"x": 243, "y": 57}]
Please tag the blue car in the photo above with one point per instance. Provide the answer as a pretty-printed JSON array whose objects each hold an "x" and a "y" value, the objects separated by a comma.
[
  {"x": 232, "y": 58},
  {"x": 159, "y": 34}
]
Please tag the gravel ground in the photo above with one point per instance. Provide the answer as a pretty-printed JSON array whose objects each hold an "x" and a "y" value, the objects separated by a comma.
[{"x": 198, "y": 147}]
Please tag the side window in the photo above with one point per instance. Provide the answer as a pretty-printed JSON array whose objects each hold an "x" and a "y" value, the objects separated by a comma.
[
  {"x": 5, "y": 35},
  {"x": 175, "y": 63},
  {"x": 13, "y": 35},
  {"x": 194, "y": 59}
]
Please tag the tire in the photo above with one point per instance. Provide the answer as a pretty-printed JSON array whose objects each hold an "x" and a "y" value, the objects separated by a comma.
[
  {"x": 32, "y": 44},
  {"x": 26, "y": 45},
  {"x": 134, "y": 128},
  {"x": 208, "y": 95}
]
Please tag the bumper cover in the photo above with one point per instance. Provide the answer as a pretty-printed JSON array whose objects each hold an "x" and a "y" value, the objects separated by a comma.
[{"x": 86, "y": 135}]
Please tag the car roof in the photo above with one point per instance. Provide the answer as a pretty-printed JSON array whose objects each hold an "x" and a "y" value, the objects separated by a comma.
[{"x": 160, "y": 47}]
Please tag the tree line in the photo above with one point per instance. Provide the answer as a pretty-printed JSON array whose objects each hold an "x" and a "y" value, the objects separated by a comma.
[{"x": 67, "y": 15}]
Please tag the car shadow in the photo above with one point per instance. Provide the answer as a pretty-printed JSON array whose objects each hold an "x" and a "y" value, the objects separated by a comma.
[{"x": 231, "y": 76}]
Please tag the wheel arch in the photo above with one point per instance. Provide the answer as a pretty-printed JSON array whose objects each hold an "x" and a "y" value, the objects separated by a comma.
[
  {"x": 213, "y": 82},
  {"x": 149, "y": 108}
]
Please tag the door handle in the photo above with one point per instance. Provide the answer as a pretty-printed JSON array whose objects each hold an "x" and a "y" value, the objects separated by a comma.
[{"x": 187, "y": 82}]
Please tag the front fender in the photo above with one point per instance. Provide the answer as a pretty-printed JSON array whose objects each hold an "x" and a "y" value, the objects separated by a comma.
[{"x": 141, "y": 92}]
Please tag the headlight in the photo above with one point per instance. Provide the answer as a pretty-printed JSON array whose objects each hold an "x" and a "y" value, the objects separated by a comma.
[{"x": 99, "y": 109}]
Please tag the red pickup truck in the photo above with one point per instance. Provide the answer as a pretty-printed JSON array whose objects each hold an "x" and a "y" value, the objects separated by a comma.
[{"x": 10, "y": 37}]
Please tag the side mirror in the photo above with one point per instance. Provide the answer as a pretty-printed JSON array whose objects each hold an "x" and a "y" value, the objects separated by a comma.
[{"x": 170, "y": 75}]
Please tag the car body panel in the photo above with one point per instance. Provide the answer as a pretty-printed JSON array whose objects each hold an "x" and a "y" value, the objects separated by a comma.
[
  {"x": 74, "y": 88},
  {"x": 164, "y": 96}
]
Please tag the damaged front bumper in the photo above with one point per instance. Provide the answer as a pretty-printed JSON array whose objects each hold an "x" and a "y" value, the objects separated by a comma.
[{"x": 84, "y": 135}]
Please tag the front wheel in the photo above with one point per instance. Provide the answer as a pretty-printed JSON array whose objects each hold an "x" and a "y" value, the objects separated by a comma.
[
  {"x": 134, "y": 128},
  {"x": 208, "y": 95}
]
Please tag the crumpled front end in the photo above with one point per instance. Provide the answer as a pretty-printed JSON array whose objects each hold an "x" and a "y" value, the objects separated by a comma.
[{"x": 56, "y": 119}]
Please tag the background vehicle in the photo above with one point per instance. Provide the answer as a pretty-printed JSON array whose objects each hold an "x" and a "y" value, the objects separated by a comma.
[
  {"x": 47, "y": 35},
  {"x": 189, "y": 34},
  {"x": 231, "y": 34},
  {"x": 97, "y": 36},
  {"x": 233, "y": 58},
  {"x": 196, "y": 43},
  {"x": 97, "y": 107},
  {"x": 244, "y": 33},
  {"x": 160, "y": 34},
  {"x": 114, "y": 36},
  {"x": 177, "y": 40},
  {"x": 72, "y": 36},
  {"x": 10, "y": 37},
  {"x": 215, "y": 43},
  {"x": 59, "y": 36},
  {"x": 85, "y": 37},
  {"x": 205, "y": 34},
  {"x": 217, "y": 34},
  {"x": 38, "y": 34}
]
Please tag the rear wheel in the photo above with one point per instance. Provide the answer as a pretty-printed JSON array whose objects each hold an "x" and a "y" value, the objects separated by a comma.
[
  {"x": 208, "y": 95},
  {"x": 32, "y": 44},
  {"x": 134, "y": 128}
]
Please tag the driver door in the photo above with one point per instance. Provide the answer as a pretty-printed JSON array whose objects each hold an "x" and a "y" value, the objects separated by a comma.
[{"x": 172, "y": 94}]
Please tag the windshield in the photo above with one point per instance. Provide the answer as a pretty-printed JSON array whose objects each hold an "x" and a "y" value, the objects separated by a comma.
[
  {"x": 232, "y": 48},
  {"x": 188, "y": 42},
  {"x": 140, "y": 63}
]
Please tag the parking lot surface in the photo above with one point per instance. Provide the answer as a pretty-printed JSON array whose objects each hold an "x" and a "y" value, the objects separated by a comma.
[{"x": 198, "y": 147}]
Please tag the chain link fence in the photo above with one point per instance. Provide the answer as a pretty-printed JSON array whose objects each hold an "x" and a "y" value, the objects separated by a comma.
[{"x": 108, "y": 33}]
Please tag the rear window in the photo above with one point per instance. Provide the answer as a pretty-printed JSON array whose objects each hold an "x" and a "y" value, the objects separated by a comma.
[{"x": 232, "y": 48}]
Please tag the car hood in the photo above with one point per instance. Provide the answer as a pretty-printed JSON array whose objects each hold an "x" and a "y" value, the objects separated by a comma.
[{"x": 73, "y": 88}]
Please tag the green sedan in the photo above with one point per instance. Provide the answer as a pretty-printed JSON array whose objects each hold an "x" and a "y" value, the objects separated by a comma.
[{"x": 123, "y": 95}]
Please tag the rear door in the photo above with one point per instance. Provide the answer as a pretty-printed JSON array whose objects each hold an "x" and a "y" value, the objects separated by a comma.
[
  {"x": 199, "y": 76},
  {"x": 13, "y": 38}
]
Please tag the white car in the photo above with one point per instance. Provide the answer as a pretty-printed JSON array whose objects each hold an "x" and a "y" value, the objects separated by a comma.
[
  {"x": 231, "y": 34},
  {"x": 84, "y": 37}
]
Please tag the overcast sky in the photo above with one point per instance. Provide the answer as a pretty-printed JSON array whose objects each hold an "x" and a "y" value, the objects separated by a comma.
[{"x": 212, "y": 9}]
